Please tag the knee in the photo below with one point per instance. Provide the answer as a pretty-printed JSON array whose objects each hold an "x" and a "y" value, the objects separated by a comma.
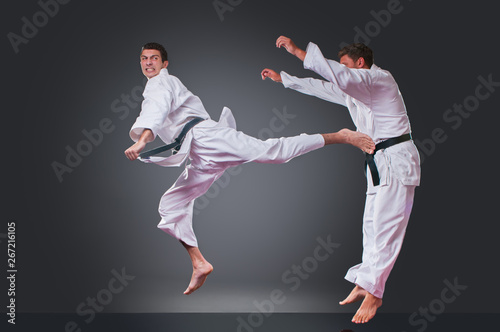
[
  {"x": 169, "y": 203},
  {"x": 167, "y": 211},
  {"x": 162, "y": 211}
]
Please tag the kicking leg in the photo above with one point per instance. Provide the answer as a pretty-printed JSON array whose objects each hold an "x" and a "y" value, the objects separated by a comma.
[
  {"x": 201, "y": 268},
  {"x": 227, "y": 147}
]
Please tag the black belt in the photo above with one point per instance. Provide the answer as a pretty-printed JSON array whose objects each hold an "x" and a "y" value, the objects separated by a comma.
[
  {"x": 370, "y": 160},
  {"x": 176, "y": 145}
]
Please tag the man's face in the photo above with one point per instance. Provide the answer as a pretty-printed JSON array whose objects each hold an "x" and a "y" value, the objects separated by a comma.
[
  {"x": 350, "y": 63},
  {"x": 151, "y": 63}
]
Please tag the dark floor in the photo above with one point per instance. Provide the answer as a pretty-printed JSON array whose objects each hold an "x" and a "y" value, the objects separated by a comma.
[{"x": 249, "y": 322}]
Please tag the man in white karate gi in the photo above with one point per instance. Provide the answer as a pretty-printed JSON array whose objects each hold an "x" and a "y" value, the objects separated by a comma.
[
  {"x": 377, "y": 109},
  {"x": 210, "y": 146}
]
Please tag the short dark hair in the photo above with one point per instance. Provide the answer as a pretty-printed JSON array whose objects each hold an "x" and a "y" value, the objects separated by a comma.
[
  {"x": 356, "y": 51},
  {"x": 156, "y": 46}
]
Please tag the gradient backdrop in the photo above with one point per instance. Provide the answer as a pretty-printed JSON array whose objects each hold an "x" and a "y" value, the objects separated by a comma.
[{"x": 76, "y": 75}]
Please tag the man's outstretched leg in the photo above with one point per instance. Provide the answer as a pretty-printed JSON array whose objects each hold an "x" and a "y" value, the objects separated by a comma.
[{"x": 201, "y": 268}]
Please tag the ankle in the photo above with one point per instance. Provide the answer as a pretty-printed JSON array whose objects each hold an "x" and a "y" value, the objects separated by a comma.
[{"x": 344, "y": 136}]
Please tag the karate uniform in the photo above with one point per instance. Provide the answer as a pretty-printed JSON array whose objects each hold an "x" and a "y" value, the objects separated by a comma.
[
  {"x": 211, "y": 147},
  {"x": 377, "y": 109}
]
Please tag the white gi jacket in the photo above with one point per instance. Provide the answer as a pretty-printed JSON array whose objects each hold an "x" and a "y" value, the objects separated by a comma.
[
  {"x": 168, "y": 105},
  {"x": 375, "y": 105}
]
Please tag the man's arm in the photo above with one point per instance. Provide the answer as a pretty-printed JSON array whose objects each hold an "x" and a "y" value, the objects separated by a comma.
[
  {"x": 309, "y": 86},
  {"x": 353, "y": 82},
  {"x": 271, "y": 74},
  {"x": 155, "y": 108},
  {"x": 290, "y": 46},
  {"x": 133, "y": 152},
  {"x": 356, "y": 83}
]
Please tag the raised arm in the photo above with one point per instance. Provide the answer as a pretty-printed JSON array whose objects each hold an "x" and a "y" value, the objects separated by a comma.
[
  {"x": 356, "y": 83},
  {"x": 314, "y": 87},
  {"x": 269, "y": 73},
  {"x": 290, "y": 46},
  {"x": 309, "y": 86}
]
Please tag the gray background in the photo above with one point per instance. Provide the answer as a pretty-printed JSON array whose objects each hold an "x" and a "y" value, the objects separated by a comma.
[{"x": 261, "y": 221}]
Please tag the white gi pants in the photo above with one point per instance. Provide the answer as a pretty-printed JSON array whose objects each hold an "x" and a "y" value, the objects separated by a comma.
[
  {"x": 387, "y": 211},
  {"x": 213, "y": 150}
]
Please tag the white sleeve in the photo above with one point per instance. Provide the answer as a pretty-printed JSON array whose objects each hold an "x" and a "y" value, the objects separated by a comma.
[
  {"x": 356, "y": 83},
  {"x": 155, "y": 108},
  {"x": 314, "y": 87}
]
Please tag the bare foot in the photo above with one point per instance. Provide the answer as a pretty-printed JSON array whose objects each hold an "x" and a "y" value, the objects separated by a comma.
[
  {"x": 356, "y": 295},
  {"x": 346, "y": 136},
  {"x": 359, "y": 140},
  {"x": 200, "y": 274},
  {"x": 367, "y": 310},
  {"x": 201, "y": 268}
]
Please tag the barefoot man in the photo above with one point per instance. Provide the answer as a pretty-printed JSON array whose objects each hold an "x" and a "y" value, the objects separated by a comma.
[
  {"x": 393, "y": 171},
  {"x": 173, "y": 113}
]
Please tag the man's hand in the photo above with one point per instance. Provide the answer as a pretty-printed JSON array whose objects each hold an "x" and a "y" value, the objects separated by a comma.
[
  {"x": 133, "y": 152},
  {"x": 271, "y": 74},
  {"x": 290, "y": 46}
]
